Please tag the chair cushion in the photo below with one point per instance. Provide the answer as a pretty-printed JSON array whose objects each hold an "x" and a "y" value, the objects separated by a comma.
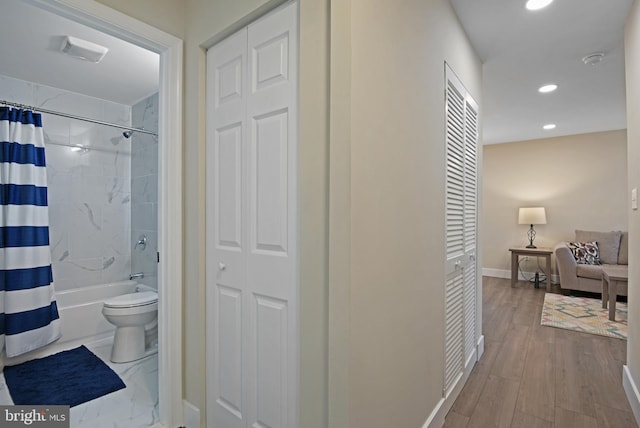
[
  {"x": 589, "y": 271},
  {"x": 608, "y": 243}
]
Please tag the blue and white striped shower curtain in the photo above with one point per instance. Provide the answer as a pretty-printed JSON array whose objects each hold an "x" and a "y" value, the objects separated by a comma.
[{"x": 28, "y": 311}]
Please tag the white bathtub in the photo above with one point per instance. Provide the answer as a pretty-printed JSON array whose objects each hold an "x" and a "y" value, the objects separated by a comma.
[
  {"x": 81, "y": 317},
  {"x": 81, "y": 309}
]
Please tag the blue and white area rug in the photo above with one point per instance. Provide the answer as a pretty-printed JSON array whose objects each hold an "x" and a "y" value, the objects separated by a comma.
[
  {"x": 68, "y": 378},
  {"x": 584, "y": 315}
]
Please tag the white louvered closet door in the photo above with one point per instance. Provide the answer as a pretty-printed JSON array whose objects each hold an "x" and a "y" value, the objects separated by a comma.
[
  {"x": 251, "y": 219},
  {"x": 461, "y": 230}
]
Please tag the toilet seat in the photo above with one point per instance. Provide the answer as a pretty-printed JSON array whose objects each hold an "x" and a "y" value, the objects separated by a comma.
[{"x": 132, "y": 300}]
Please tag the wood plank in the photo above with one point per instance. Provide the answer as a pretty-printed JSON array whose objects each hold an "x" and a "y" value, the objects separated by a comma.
[
  {"x": 570, "y": 419},
  {"x": 543, "y": 333},
  {"x": 510, "y": 360},
  {"x": 573, "y": 390},
  {"x": 524, "y": 420},
  {"x": 605, "y": 378},
  {"x": 455, "y": 420},
  {"x": 496, "y": 404},
  {"x": 525, "y": 301},
  {"x": 537, "y": 394},
  {"x": 470, "y": 394},
  {"x": 613, "y": 418}
]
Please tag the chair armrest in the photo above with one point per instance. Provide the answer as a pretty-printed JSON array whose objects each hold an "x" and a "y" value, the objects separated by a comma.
[{"x": 566, "y": 265}]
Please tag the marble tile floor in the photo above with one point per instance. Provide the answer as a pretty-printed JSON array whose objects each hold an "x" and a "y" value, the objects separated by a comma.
[{"x": 135, "y": 406}]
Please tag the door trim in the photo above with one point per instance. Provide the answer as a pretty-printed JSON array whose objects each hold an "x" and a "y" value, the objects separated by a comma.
[{"x": 170, "y": 49}]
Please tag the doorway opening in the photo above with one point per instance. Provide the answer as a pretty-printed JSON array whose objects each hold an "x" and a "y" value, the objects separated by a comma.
[{"x": 169, "y": 182}]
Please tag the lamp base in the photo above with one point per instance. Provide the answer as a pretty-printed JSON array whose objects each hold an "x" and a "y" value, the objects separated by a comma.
[{"x": 532, "y": 235}]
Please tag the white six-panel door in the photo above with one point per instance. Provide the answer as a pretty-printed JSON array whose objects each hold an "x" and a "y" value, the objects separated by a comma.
[{"x": 251, "y": 221}]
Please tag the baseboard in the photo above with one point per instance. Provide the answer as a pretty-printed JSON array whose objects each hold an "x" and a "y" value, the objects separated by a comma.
[
  {"x": 191, "y": 415},
  {"x": 496, "y": 273},
  {"x": 505, "y": 273},
  {"x": 437, "y": 416},
  {"x": 631, "y": 389}
]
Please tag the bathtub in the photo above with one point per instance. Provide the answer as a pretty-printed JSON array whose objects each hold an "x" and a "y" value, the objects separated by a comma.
[{"x": 81, "y": 317}]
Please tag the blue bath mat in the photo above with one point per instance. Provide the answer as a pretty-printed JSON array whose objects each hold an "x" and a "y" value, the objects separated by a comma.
[{"x": 68, "y": 378}]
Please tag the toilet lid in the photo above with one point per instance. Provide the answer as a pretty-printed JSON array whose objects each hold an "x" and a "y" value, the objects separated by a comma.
[{"x": 133, "y": 299}]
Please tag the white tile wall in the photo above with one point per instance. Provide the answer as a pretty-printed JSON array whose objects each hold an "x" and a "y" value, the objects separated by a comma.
[{"x": 144, "y": 190}]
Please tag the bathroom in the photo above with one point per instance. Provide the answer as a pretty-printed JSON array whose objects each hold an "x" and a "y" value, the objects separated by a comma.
[{"x": 102, "y": 188}]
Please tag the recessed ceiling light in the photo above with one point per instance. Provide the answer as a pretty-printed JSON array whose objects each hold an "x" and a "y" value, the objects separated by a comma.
[
  {"x": 537, "y": 4},
  {"x": 548, "y": 88},
  {"x": 594, "y": 58},
  {"x": 549, "y": 126}
]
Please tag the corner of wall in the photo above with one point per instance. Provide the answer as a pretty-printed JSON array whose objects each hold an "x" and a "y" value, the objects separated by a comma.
[
  {"x": 632, "y": 70},
  {"x": 339, "y": 212}
]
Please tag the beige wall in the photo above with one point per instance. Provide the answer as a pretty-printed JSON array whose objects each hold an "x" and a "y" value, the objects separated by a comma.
[
  {"x": 397, "y": 52},
  {"x": 339, "y": 214},
  {"x": 632, "y": 60},
  {"x": 167, "y": 15},
  {"x": 387, "y": 208},
  {"x": 581, "y": 180}
]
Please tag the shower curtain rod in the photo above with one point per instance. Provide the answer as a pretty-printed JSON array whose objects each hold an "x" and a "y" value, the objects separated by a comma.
[{"x": 72, "y": 116}]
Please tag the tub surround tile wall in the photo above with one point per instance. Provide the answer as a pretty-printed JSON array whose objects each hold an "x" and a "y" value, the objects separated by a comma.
[
  {"x": 144, "y": 190},
  {"x": 89, "y": 189}
]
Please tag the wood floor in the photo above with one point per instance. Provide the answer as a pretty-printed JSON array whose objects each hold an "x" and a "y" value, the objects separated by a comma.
[{"x": 536, "y": 376}]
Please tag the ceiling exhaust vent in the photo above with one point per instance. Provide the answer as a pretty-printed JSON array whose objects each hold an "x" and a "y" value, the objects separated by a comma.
[{"x": 83, "y": 49}]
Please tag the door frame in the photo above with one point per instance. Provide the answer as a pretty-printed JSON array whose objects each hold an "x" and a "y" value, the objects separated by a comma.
[{"x": 170, "y": 49}]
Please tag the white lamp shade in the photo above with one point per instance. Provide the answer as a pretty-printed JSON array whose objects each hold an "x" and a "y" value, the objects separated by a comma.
[{"x": 532, "y": 215}]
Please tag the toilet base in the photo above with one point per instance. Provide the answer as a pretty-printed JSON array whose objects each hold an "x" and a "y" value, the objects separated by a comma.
[{"x": 128, "y": 344}]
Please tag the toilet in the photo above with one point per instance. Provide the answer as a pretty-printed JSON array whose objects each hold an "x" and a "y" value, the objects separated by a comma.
[{"x": 130, "y": 313}]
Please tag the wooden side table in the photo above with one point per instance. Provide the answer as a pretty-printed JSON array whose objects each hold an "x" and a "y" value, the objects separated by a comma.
[
  {"x": 614, "y": 282},
  {"x": 532, "y": 252}
]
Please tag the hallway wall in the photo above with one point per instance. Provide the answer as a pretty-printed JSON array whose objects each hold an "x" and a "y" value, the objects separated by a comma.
[
  {"x": 397, "y": 182},
  {"x": 167, "y": 15},
  {"x": 632, "y": 60}
]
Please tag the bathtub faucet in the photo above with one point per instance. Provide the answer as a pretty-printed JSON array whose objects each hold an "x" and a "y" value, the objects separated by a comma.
[{"x": 138, "y": 275}]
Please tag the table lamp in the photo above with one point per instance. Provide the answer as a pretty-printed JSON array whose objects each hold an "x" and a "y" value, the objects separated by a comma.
[{"x": 531, "y": 216}]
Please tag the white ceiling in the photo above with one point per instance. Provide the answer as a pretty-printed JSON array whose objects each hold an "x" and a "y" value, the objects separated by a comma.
[
  {"x": 523, "y": 50},
  {"x": 30, "y": 51}
]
